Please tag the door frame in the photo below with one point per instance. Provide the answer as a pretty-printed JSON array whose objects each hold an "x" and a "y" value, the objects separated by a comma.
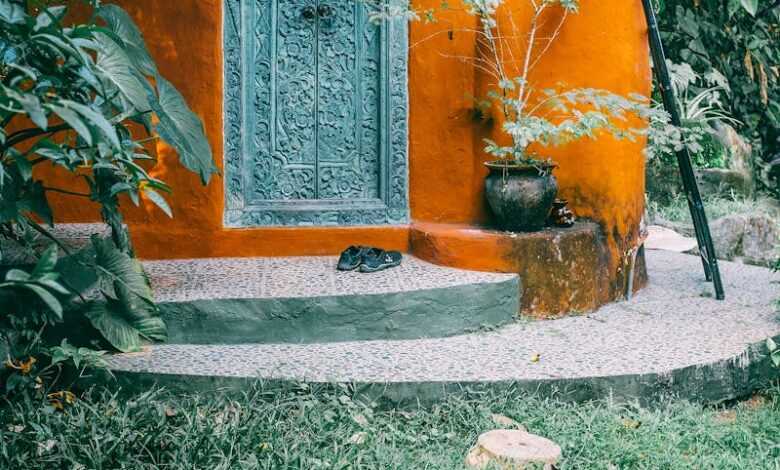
[{"x": 392, "y": 207}]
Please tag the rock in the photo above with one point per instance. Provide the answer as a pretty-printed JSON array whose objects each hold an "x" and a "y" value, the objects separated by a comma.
[
  {"x": 751, "y": 238},
  {"x": 662, "y": 238},
  {"x": 727, "y": 233},
  {"x": 512, "y": 449},
  {"x": 760, "y": 241},
  {"x": 723, "y": 182},
  {"x": 740, "y": 153},
  {"x": 663, "y": 182}
]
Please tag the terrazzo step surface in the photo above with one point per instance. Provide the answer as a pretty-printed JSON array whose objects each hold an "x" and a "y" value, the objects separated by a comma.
[
  {"x": 305, "y": 299},
  {"x": 671, "y": 338}
]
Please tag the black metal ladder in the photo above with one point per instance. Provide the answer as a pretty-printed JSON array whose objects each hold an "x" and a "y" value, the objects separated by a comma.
[{"x": 700, "y": 224}]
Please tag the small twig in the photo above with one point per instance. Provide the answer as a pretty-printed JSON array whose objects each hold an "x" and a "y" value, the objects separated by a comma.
[{"x": 65, "y": 191}]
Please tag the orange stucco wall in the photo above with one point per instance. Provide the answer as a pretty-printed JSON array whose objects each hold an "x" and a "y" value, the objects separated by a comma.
[{"x": 604, "y": 46}]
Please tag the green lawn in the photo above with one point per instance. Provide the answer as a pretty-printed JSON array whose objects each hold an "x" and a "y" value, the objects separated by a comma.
[{"x": 326, "y": 429}]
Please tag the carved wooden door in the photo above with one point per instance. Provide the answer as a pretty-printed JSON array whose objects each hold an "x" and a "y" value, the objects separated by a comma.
[{"x": 315, "y": 114}]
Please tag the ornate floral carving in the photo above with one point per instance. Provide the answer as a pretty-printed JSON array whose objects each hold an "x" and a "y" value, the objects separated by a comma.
[{"x": 312, "y": 134}]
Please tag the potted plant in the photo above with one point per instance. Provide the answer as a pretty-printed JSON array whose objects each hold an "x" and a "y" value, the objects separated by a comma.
[{"x": 521, "y": 187}]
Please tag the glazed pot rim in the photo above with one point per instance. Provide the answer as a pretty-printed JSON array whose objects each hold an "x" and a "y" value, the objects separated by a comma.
[{"x": 545, "y": 166}]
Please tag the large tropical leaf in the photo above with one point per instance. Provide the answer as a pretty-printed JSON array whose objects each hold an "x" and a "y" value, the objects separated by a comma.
[
  {"x": 183, "y": 130},
  {"x": 142, "y": 316},
  {"x": 119, "y": 268},
  {"x": 129, "y": 317},
  {"x": 118, "y": 70},
  {"x": 112, "y": 324},
  {"x": 125, "y": 29},
  {"x": 126, "y": 322}
]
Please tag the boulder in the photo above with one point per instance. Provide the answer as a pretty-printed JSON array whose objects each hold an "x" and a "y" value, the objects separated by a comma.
[
  {"x": 723, "y": 182},
  {"x": 727, "y": 234},
  {"x": 512, "y": 449},
  {"x": 663, "y": 182},
  {"x": 751, "y": 238},
  {"x": 739, "y": 151},
  {"x": 760, "y": 241}
]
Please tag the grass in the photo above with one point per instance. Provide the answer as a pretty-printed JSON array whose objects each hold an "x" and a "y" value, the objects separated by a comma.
[
  {"x": 716, "y": 207},
  {"x": 292, "y": 429}
]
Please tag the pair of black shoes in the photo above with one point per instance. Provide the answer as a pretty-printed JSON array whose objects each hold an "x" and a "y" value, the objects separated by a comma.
[{"x": 367, "y": 259}]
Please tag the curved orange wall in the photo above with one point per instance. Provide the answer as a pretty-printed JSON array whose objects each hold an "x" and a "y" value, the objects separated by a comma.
[{"x": 604, "y": 46}]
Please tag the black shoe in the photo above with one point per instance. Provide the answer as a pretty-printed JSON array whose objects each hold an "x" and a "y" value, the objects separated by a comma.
[
  {"x": 377, "y": 259},
  {"x": 351, "y": 258}
]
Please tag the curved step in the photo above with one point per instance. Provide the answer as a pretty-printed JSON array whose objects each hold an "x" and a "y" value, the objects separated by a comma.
[
  {"x": 300, "y": 300},
  {"x": 672, "y": 338}
]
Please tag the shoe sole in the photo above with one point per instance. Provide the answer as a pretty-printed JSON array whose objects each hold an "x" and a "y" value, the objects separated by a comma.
[
  {"x": 381, "y": 267},
  {"x": 339, "y": 268}
]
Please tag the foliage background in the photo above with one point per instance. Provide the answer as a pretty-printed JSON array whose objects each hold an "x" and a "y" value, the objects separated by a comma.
[{"x": 739, "y": 39}]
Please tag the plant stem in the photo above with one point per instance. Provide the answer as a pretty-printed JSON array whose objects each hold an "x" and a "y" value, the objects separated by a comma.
[
  {"x": 20, "y": 136},
  {"x": 521, "y": 98},
  {"x": 110, "y": 211},
  {"x": 65, "y": 191}
]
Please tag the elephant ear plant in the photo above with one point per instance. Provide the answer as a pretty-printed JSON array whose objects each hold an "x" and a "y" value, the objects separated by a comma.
[{"x": 86, "y": 98}]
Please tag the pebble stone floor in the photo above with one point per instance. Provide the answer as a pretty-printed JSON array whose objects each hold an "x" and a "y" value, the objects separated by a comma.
[
  {"x": 673, "y": 323},
  {"x": 262, "y": 278}
]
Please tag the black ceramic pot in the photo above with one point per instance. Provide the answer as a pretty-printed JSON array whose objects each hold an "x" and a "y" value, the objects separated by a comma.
[{"x": 521, "y": 196}]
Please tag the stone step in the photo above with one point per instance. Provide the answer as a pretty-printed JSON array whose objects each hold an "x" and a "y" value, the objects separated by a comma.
[
  {"x": 305, "y": 299},
  {"x": 73, "y": 236},
  {"x": 672, "y": 338}
]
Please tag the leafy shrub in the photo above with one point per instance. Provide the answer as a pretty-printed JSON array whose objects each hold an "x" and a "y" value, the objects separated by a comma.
[
  {"x": 738, "y": 39},
  {"x": 85, "y": 98}
]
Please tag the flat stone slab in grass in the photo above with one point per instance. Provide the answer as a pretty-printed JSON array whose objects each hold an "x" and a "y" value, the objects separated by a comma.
[
  {"x": 662, "y": 238},
  {"x": 673, "y": 337},
  {"x": 305, "y": 299}
]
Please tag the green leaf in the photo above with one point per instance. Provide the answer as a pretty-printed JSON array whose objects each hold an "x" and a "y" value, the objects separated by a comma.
[
  {"x": 46, "y": 263},
  {"x": 751, "y": 6},
  {"x": 183, "y": 130},
  {"x": 153, "y": 328},
  {"x": 119, "y": 71},
  {"x": 96, "y": 119},
  {"x": 31, "y": 105},
  {"x": 124, "y": 28},
  {"x": 127, "y": 323},
  {"x": 48, "y": 16},
  {"x": 53, "y": 286},
  {"x": 73, "y": 120},
  {"x": 34, "y": 200},
  {"x": 61, "y": 46},
  {"x": 121, "y": 268},
  {"x": 24, "y": 166},
  {"x": 775, "y": 359},
  {"x": 11, "y": 12},
  {"x": 109, "y": 320},
  {"x": 47, "y": 298},
  {"x": 17, "y": 275},
  {"x": 159, "y": 201}
]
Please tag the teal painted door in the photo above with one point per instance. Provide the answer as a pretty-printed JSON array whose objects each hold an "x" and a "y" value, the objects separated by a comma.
[{"x": 315, "y": 125}]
